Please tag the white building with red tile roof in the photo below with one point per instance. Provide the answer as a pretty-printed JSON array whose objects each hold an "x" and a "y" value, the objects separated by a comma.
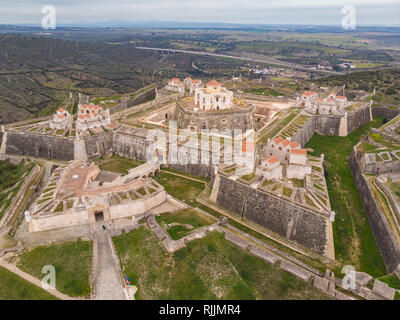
[
  {"x": 61, "y": 120},
  {"x": 298, "y": 167},
  {"x": 279, "y": 148},
  {"x": 196, "y": 84},
  {"x": 313, "y": 103},
  {"x": 270, "y": 169},
  {"x": 289, "y": 154},
  {"x": 92, "y": 116},
  {"x": 213, "y": 97},
  {"x": 175, "y": 85}
]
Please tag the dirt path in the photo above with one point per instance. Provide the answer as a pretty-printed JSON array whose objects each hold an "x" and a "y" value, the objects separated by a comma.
[{"x": 34, "y": 280}]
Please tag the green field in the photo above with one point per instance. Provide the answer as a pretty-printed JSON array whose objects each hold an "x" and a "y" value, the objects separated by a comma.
[
  {"x": 181, "y": 188},
  {"x": 13, "y": 287},
  {"x": 354, "y": 241},
  {"x": 208, "y": 268},
  {"x": 11, "y": 176},
  {"x": 72, "y": 261},
  {"x": 119, "y": 164},
  {"x": 182, "y": 218}
]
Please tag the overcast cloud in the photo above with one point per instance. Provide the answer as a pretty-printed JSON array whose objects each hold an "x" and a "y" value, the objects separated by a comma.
[{"x": 228, "y": 11}]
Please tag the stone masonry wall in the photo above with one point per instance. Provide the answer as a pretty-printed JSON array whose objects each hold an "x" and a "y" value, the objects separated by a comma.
[
  {"x": 40, "y": 146},
  {"x": 305, "y": 133},
  {"x": 385, "y": 113},
  {"x": 387, "y": 244},
  {"x": 358, "y": 118},
  {"x": 242, "y": 119},
  {"x": 129, "y": 146},
  {"x": 100, "y": 145},
  {"x": 327, "y": 125},
  {"x": 280, "y": 216}
]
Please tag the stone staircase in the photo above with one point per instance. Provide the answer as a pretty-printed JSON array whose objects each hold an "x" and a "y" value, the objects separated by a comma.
[
  {"x": 215, "y": 188},
  {"x": 80, "y": 149},
  {"x": 108, "y": 279}
]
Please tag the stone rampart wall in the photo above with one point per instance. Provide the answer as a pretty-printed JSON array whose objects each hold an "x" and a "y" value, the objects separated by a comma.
[
  {"x": 358, "y": 118},
  {"x": 387, "y": 244},
  {"x": 280, "y": 216},
  {"x": 40, "y": 146}
]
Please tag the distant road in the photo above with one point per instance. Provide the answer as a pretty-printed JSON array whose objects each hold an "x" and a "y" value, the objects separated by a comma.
[{"x": 265, "y": 60}]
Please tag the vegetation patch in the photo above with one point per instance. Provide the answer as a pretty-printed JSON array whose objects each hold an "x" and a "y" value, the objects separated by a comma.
[
  {"x": 208, "y": 268},
  {"x": 181, "y": 221},
  {"x": 392, "y": 280},
  {"x": 119, "y": 164},
  {"x": 71, "y": 260},
  {"x": 179, "y": 187},
  {"x": 14, "y": 287},
  {"x": 354, "y": 241}
]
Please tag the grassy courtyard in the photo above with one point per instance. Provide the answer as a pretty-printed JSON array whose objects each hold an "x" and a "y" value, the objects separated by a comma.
[
  {"x": 354, "y": 241},
  {"x": 118, "y": 164},
  {"x": 179, "y": 187},
  {"x": 72, "y": 261},
  {"x": 208, "y": 268},
  {"x": 13, "y": 287},
  {"x": 184, "y": 222}
]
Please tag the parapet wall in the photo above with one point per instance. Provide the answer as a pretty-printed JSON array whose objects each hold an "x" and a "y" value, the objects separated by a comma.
[
  {"x": 280, "y": 216},
  {"x": 386, "y": 242},
  {"x": 40, "y": 146}
]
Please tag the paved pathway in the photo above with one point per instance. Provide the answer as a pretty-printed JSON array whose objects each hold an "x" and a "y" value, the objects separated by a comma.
[
  {"x": 34, "y": 280},
  {"x": 108, "y": 282}
]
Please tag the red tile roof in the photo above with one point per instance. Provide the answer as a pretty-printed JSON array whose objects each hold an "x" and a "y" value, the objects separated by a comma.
[
  {"x": 286, "y": 142},
  {"x": 294, "y": 145},
  {"x": 309, "y": 93},
  {"x": 298, "y": 151},
  {"x": 61, "y": 110},
  {"x": 278, "y": 140},
  {"x": 213, "y": 83},
  {"x": 272, "y": 160}
]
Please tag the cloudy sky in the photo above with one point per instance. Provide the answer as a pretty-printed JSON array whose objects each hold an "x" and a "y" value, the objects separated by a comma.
[{"x": 368, "y": 12}]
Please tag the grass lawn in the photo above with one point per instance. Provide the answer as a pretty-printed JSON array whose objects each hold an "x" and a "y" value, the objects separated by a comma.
[
  {"x": 392, "y": 280},
  {"x": 119, "y": 164},
  {"x": 181, "y": 188},
  {"x": 354, "y": 241},
  {"x": 183, "y": 217},
  {"x": 208, "y": 268},
  {"x": 72, "y": 261},
  {"x": 14, "y": 287}
]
